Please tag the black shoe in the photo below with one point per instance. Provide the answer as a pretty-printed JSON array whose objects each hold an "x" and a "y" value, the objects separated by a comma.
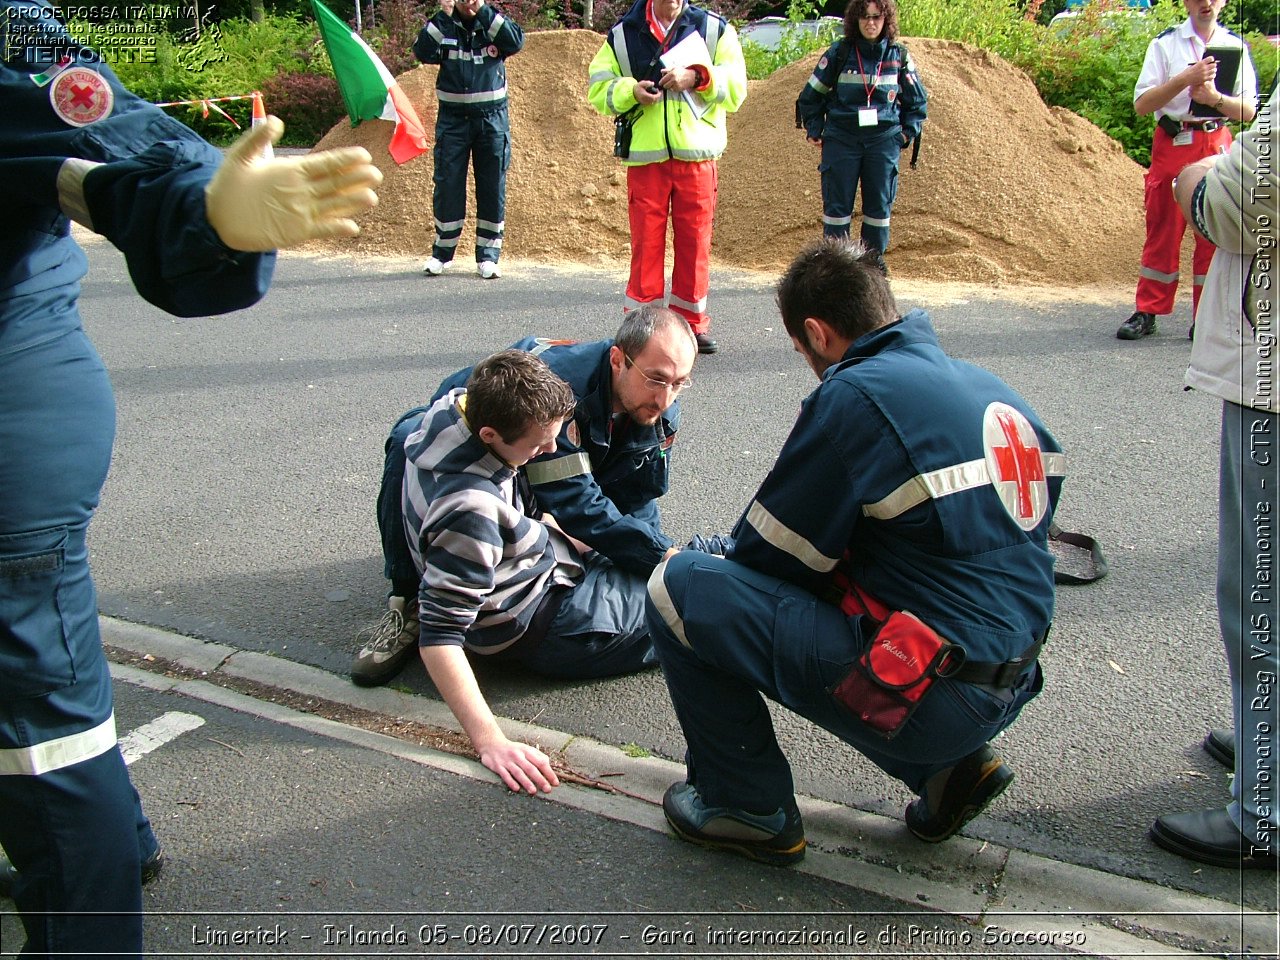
[
  {"x": 955, "y": 796},
  {"x": 151, "y": 868},
  {"x": 1221, "y": 745},
  {"x": 705, "y": 343},
  {"x": 1210, "y": 837},
  {"x": 1138, "y": 326},
  {"x": 776, "y": 838}
]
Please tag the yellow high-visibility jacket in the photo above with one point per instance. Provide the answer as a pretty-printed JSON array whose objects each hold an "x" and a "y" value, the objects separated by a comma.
[{"x": 670, "y": 128}]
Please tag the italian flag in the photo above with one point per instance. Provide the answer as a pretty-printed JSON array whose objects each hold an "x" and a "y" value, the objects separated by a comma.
[{"x": 368, "y": 87}]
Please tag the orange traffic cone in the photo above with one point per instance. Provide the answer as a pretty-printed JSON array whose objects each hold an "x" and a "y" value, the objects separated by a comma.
[{"x": 258, "y": 118}]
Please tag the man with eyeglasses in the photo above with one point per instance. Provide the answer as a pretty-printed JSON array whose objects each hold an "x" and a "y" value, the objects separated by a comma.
[{"x": 601, "y": 484}]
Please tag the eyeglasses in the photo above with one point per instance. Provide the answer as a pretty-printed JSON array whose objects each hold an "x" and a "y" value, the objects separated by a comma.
[
  {"x": 657, "y": 383},
  {"x": 872, "y": 17}
]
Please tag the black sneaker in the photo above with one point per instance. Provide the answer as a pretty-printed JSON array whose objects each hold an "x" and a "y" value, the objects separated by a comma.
[
  {"x": 958, "y": 794},
  {"x": 705, "y": 343},
  {"x": 1221, "y": 745},
  {"x": 776, "y": 838},
  {"x": 1138, "y": 326}
]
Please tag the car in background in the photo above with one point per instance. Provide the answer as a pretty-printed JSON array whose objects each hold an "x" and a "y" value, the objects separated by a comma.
[
  {"x": 767, "y": 32},
  {"x": 1062, "y": 22}
]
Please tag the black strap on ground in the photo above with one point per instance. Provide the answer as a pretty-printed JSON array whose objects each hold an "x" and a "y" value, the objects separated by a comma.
[{"x": 1077, "y": 558}]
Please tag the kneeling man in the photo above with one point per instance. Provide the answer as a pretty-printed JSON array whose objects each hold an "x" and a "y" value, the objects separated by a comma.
[
  {"x": 496, "y": 581},
  {"x": 910, "y": 482}
]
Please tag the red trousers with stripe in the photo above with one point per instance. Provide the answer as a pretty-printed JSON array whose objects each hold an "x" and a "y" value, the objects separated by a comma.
[
  {"x": 686, "y": 193},
  {"x": 1158, "y": 279}
]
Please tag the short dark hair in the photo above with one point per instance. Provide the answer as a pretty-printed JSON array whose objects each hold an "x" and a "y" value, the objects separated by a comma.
[
  {"x": 640, "y": 324},
  {"x": 840, "y": 282},
  {"x": 513, "y": 391},
  {"x": 888, "y": 26}
]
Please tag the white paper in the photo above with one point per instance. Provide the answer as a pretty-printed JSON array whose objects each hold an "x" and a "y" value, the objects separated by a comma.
[{"x": 692, "y": 49}]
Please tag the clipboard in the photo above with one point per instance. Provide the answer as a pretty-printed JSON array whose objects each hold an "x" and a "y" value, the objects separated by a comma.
[{"x": 1224, "y": 82}]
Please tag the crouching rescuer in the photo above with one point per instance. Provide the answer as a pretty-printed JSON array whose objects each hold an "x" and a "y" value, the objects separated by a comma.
[{"x": 891, "y": 580}]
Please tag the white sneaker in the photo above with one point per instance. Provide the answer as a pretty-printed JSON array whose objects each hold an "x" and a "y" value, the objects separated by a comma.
[
  {"x": 434, "y": 267},
  {"x": 488, "y": 269}
]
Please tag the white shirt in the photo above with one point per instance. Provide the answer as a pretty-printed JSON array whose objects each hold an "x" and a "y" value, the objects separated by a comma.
[{"x": 1179, "y": 47}]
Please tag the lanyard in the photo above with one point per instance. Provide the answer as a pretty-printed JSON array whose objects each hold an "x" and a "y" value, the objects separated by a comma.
[{"x": 863, "y": 73}]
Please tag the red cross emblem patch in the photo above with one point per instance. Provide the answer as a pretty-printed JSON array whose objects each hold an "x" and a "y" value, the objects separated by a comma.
[
  {"x": 81, "y": 96},
  {"x": 1015, "y": 464}
]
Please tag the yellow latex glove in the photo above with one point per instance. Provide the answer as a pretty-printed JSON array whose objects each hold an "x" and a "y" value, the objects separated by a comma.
[{"x": 258, "y": 203}]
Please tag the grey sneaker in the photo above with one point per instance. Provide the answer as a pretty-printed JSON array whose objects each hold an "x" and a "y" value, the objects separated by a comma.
[
  {"x": 776, "y": 838},
  {"x": 388, "y": 645}
]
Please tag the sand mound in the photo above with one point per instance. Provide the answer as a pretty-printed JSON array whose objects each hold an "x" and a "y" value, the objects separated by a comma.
[{"x": 1007, "y": 188}]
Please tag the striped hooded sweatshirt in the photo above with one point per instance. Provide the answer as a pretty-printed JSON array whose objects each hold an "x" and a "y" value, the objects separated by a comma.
[{"x": 485, "y": 565}]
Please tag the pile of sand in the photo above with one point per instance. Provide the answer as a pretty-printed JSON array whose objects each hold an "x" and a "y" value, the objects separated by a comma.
[{"x": 1007, "y": 189}]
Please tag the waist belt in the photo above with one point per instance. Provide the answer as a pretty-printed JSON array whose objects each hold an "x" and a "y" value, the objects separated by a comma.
[
  {"x": 1174, "y": 127},
  {"x": 999, "y": 674}
]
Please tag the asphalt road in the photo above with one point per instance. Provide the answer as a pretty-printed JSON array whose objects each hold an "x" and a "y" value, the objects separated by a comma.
[{"x": 240, "y": 509}]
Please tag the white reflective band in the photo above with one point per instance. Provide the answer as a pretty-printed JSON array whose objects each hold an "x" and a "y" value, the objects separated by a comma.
[
  {"x": 561, "y": 468},
  {"x": 446, "y": 225},
  {"x": 699, "y": 307},
  {"x": 498, "y": 21},
  {"x": 490, "y": 225},
  {"x": 484, "y": 96},
  {"x": 837, "y": 221},
  {"x": 875, "y": 221},
  {"x": 665, "y": 606},
  {"x": 938, "y": 483},
  {"x": 787, "y": 540},
  {"x": 62, "y": 752},
  {"x": 948, "y": 480},
  {"x": 1156, "y": 275}
]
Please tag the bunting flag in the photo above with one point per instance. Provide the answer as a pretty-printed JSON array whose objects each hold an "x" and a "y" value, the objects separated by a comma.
[{"x": 367, "y": 86}]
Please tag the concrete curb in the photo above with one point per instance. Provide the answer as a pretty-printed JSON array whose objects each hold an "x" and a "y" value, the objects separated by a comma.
[{"x": 1013, "y": 898}]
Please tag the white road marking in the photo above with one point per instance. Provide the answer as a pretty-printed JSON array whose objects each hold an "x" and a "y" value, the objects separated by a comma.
[{"x": 157, "y": 733}]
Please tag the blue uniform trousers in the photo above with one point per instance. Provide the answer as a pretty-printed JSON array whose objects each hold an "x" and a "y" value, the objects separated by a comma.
[
  {"x": 871, "y": 161},
  {"x": 725, "y": 634},
  {"x": 486, "y": 141},
  {"x": 1247, "y": 614},
  {"x": 70, "y": 820},
  {"x": 397, "y": 561},
  {"x": 599, "y": 630}
]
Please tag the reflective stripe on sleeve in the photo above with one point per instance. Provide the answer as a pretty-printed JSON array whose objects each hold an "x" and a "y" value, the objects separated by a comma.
[
  {"x": 787, "y": 540},
  {"x": 63, "y": 752},
  {"x": 948, "y": 480},
  {"x": 561, "y": 468}
]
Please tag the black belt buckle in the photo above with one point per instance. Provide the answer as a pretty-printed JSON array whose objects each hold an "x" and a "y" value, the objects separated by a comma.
[{"x": 1210, "y": 125}]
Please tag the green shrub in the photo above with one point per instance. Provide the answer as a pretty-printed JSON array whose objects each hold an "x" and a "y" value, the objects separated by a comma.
[{"x": 308, "y": 103}]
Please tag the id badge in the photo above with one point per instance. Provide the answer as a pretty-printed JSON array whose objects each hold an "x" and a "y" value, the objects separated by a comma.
[
  {"x": 1183, "y": 139},
  {"x": 868, "y": 117}
]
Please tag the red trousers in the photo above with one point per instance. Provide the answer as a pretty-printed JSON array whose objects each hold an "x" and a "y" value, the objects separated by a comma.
[
  {"x": 685, "y": 192},
  {"x": 1158, "y": 278}
]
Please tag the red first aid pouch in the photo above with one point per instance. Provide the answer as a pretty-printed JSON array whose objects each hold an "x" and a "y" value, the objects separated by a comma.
[{"x": 903, "y": 659}]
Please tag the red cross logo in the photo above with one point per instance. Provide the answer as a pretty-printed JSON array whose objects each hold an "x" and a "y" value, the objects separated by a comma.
[
  {"x": 81, "y": 96},
  {"x": 1015, "y": 464}
]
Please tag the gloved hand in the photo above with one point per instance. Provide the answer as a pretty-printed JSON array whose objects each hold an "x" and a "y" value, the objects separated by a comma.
[{"x": 258, "y": 203}]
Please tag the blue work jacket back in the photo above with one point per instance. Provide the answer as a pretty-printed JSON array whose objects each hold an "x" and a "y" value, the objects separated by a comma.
[
  {"x": 603, "y": 481},
  {"x": 472, "y": 56},
  {"x": 925, "y": 480}
]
